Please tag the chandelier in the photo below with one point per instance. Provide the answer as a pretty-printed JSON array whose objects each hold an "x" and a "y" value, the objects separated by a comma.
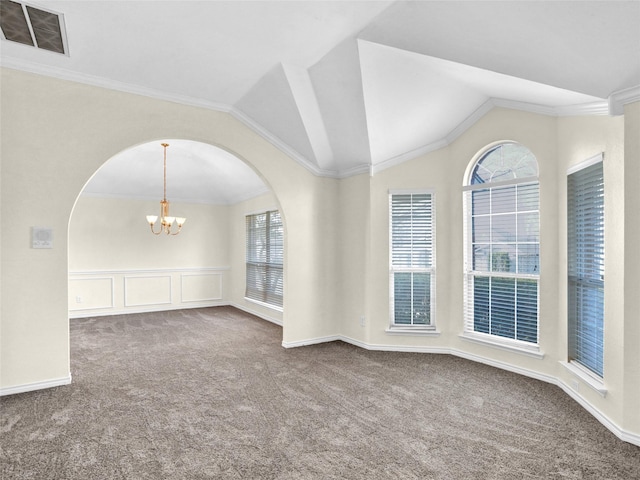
[{"x": 166, "y": 222}]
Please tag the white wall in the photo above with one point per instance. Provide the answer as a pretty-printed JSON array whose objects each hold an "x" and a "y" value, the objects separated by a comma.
[
  {"x": 557, "y": 143},
  {"x": 579, "y": 139},
  {"x": 109, "y": 234},
  {"x": 56, "y": 134},
  {"x": 353, "y": 256},
  {"x": 117, "y": 266},
  {"x": 631, "y": 297}
]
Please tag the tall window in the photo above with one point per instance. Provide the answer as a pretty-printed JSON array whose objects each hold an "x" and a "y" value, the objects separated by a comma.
[
  {"x": 585, "y": 232},
  {"x": 412, "y": 258},
  {"x": 265, "y": 248},
  {"x": 502, "y": 245}
]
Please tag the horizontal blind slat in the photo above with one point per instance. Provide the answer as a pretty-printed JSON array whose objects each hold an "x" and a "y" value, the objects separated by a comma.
[
  {"x": 501, "y": 225},
  {"x": 585, "y": 238},
  {"x": 265, "y": 254},
  {"x": 412, "y": 245}
]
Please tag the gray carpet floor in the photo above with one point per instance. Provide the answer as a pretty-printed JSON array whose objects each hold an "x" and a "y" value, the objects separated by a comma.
[{"x": 211, "y": 394}]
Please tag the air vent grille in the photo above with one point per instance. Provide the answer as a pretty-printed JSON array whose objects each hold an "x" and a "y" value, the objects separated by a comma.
[{"x": 32, "y": 26}]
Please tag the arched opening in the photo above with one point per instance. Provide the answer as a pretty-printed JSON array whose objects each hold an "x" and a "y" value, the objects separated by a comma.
[{"x": 116, "y": 265}]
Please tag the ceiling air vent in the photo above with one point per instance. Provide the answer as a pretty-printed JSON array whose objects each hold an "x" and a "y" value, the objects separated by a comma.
[{"x": 32, "y": 26}]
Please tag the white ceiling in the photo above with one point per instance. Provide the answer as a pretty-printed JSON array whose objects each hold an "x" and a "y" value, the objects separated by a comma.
[
  {"x": 196, "y": 173},
  {"x": 349, "y": 86}
]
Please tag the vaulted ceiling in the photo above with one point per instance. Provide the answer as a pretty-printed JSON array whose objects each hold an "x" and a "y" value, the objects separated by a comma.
[{"x": 351, "y": 86}]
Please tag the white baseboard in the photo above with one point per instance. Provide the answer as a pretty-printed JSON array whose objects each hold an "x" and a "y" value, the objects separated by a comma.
[
  {"x": 30, "y": 387},
  {"x": 622, "y": 434},
  {"x": 603, "y": 419},
  {"x": 312, "y": 341},
  {"x": 144, "y": 309}
]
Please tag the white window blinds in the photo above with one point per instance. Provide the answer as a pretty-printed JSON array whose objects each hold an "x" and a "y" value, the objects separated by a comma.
[
  {"x": 502, "y": 245},
  {"x": 412, "y": 258},
  {"x": 585, "y": 236},
  {"x": 265, "y": 252}
]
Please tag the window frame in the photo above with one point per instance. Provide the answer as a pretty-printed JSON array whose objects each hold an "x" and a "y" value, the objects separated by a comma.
[
  {"x": 580, "y": 366},
  {"x": 264, "y": 297},
  {"x": 470, "y": 273},
  {"x": 413, "y": 328}
]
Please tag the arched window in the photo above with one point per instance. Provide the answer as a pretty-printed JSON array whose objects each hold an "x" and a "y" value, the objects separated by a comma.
[{"x": 502, "y": 245}]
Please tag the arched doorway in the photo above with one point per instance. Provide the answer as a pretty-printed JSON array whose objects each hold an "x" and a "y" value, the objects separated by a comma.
[{"x": 116, "y": 265}]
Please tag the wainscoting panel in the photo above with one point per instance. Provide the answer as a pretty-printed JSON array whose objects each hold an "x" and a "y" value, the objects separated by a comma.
[
  {"x": 91, "y": 293},
  {"x": 97, "y": 293},
  {"x": 201, "y": 287},
  {"x": 146, "y": 291}
]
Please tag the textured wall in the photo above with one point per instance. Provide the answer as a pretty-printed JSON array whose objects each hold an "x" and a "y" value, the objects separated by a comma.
[{"x": 55, "y": 135}]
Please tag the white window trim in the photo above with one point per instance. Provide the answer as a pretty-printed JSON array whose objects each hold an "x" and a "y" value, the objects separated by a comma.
[
  {"x": 508, "y": 344},
  {"x": 586, "y": 163},
  {"x": 586, "y": 376},
  {"x": 265, "y": 304},
  {"x": 402, "y": 329},
  {"x": 423, "y": 330}
]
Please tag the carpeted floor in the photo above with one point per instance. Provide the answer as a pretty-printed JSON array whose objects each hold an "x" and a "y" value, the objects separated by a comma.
[{"x": 211, "y": 394}]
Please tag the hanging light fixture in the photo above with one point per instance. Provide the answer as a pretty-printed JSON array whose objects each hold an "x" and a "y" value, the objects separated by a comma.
[{"x": 166, "y": 221}]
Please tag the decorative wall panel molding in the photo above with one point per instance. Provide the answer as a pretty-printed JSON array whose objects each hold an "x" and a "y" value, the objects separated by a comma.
[
  {"x": 201, "y": 287},
  {"x": 113, "y": 292},
  {"x": 147, "y": 290},
  {"x": 90, "y": 293}
]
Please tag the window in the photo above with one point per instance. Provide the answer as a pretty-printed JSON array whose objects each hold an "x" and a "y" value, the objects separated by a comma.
[
  {"x": 585, "y": 235},
  {"x": 502, "y": 245},
  {"x": 265, "y": 252},
  {"x": 412, "y": 259}
]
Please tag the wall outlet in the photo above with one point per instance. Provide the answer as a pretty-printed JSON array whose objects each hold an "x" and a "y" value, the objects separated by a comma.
[
  {"x": 78, "y": 299},
  {"x": 575, "y": 385},
  {"x": 362, "y": 321}
]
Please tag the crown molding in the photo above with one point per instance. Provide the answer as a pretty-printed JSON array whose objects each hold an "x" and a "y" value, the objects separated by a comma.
[
  {"x": 280, "y": 144},
  {"x": 614, "y": 106},
  {"x": 592, "y": 108},
  {"x": 596, "y": 108},
  {"x": 68, "y": 75},
  {"x": 403, "y": 157},
  {"x": 471, "y": 120},
  {"x": 617, "y": 100},
  {"x": 467, "y": 123},
  {"x": 353, "y": 171},
  {"x": 524, "y": 106}
]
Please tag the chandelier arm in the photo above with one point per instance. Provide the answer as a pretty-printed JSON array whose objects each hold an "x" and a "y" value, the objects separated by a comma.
[{"x": 155, "y": 233}]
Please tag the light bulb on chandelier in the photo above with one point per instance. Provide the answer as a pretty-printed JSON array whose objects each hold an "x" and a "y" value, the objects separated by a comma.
[{"x": 166, "y": 221}]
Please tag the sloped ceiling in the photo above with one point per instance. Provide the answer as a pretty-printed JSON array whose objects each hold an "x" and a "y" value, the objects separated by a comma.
[{"x": 352, "y": 86}]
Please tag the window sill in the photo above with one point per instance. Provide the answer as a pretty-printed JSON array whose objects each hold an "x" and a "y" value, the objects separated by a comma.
[
  {"x": 428, "y": 331},
  {"x": 532, "y": 351},
  {"x": 586, "y": 376},
  {"x": 264, "y": 304}
]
